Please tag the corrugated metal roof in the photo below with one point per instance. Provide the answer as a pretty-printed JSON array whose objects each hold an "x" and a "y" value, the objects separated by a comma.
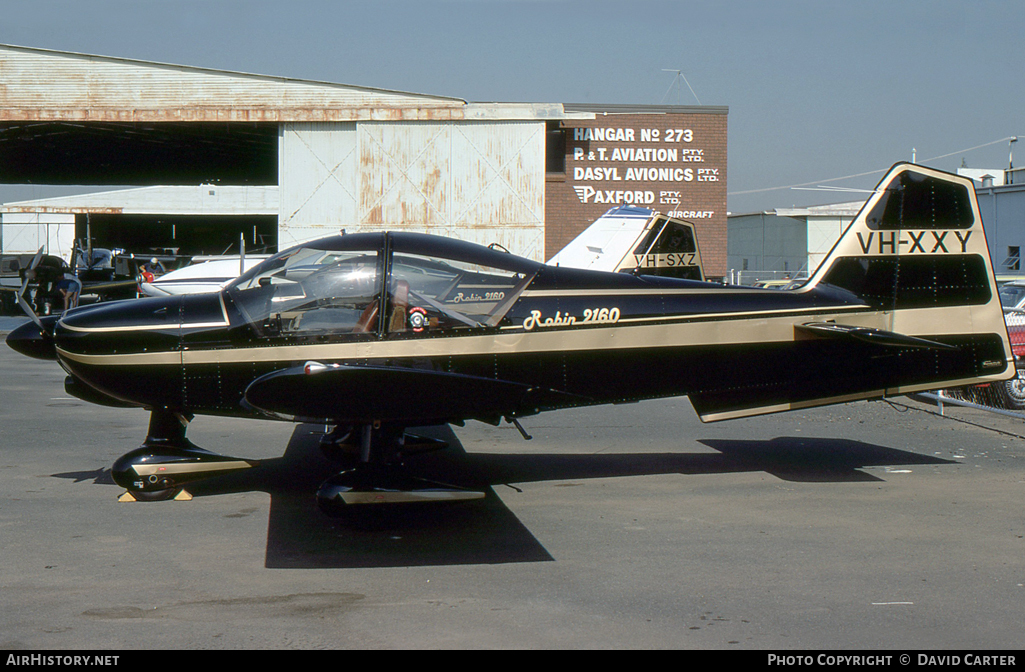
[
  {"x": 848, "y": 209},
  {"x": 41, "y": 84},
  {"x": 204, "y": 199}
]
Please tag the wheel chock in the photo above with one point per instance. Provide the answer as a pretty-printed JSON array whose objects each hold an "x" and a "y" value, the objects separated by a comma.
[{"x": 182, "y": 496}]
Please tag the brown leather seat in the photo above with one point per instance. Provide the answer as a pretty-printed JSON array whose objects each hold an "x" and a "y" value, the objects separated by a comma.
[
  {"x": 368, "y": 320},
  {"x": 400, "y": 304}
]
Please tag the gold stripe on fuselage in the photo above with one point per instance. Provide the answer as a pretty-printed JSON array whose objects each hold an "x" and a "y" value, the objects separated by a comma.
[
  {"x": 152, "y": 327},
  {"x": 732, "y": 290},
  {"x": 166, "y": 358},
  {"x": 691, "y": 331},
  {"x": 718, "y": 317}
]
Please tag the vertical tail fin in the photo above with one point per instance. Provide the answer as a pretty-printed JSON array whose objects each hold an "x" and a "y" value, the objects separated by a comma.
[
  {"x": 917, "y": 254},
  {"x": 920, "y": 308}
]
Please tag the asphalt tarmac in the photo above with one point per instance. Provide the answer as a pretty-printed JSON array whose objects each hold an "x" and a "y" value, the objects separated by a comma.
[{"x": 863, "y": 526}]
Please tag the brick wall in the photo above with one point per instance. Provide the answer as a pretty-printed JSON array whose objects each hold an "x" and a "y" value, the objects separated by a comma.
[{"x": 674, "y": 163}]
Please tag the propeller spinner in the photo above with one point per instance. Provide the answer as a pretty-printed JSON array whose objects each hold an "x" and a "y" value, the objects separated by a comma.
[{"x": 34, "y": 339}]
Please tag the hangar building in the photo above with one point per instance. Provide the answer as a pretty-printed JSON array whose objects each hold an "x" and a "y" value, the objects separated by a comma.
[{"x": 286, "y": 160}]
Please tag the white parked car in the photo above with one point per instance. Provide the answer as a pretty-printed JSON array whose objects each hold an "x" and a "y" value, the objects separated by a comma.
[{"x": 1012, "y": 296}]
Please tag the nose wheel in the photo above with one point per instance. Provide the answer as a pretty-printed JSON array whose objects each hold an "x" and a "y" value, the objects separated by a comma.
[{"x": 167, "y": 461}]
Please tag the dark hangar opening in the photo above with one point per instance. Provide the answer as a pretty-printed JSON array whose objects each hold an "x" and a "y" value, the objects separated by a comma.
[
  {"x": 180, "y": 234},
  {"x": 120, "y": 153}
]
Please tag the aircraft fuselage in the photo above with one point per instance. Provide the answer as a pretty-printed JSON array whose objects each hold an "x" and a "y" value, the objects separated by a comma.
[{"x": 569, "y": 338}]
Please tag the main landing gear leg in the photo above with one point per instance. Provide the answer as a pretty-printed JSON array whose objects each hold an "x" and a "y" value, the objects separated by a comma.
[
  {"x": 379, "y": 479},
  {"x": 167, "y": 460}
]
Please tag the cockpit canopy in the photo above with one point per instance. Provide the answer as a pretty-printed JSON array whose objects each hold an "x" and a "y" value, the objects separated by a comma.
[{"x": 381, "y": 283}]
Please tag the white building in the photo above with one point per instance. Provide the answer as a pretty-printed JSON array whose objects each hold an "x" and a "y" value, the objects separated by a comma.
[
  {"x": 786, "y": 241},
  {"x": 794, "y": 241},
  {"x": 156, "y": 214}
]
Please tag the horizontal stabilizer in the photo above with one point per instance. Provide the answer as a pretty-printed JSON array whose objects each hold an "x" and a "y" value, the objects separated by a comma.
[{"x": 869, "y": 335}]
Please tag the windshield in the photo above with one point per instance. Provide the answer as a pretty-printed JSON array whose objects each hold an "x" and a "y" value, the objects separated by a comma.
[{"x": 308, "y": 289}]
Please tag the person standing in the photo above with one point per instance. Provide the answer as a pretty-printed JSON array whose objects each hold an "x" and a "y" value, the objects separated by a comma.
[{"x": 70, "y": 288}]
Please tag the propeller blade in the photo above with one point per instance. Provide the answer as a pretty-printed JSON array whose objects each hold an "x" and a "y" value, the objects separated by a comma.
[
  {"x": 24, "y": 285},
  {"x": 36, "y": 259},
  {"x": 35, "y": 262},
  {"x": 31, "y": 313}
]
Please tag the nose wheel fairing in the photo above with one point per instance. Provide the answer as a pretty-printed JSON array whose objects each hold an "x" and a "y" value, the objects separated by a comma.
[{"x": 167, "y": 461}]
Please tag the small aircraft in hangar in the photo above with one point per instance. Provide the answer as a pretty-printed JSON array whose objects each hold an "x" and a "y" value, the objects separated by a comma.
[{"x": 375, "y": 333}]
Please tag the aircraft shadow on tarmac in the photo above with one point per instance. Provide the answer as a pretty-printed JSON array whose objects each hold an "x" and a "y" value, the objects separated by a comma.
[{"x": 486, "y": 531}]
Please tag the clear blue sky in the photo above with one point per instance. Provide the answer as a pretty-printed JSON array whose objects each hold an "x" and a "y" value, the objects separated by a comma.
[{"x": 816, "y": 89}]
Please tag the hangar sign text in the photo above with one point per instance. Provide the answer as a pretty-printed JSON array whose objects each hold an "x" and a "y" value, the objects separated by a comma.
[{"x": 637, "y": 165}]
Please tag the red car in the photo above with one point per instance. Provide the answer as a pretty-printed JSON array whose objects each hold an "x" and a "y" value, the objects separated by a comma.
[{"x": 1009, "y": 394}]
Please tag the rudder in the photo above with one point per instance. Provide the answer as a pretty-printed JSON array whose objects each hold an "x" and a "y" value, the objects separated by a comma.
[{"x": 917, "y": 253}]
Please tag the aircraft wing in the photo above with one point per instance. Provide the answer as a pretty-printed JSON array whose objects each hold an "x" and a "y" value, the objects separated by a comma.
[
  {"x": 100, "y": 287},
  {"x": 354, "y": 393}
]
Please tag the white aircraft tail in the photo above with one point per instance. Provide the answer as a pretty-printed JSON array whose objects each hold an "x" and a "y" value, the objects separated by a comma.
[{"x": 629, "y": 239}]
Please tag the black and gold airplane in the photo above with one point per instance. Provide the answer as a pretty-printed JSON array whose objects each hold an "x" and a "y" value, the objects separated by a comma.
[{"x": 374, "y": 333}]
